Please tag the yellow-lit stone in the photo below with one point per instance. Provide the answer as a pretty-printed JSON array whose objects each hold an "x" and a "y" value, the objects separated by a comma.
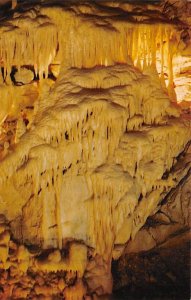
[{"x": 90, "y": 136}]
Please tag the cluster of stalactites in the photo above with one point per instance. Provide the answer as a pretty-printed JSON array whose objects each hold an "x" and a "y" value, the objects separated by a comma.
[
  {"x": 65, "y": 42},
  {"x": 143, "y": 45},
  {"x": 156, "y": 46},
  {"x": 21, "y": 46}
]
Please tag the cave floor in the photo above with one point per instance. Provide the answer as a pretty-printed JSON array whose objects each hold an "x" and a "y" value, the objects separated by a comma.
[{"x": 162, "y": 273}]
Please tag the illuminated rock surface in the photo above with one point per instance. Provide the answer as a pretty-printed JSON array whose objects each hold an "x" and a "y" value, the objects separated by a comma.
[{"x": 90, "y": 140}]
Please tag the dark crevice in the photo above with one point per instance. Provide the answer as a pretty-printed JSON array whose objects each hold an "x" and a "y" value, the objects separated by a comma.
[
  {"x": 66, "y": 135},
  {"x": 171, "y": 192}
]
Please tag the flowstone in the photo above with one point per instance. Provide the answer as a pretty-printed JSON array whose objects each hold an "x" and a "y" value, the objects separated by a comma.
[{"x": 90, "y": 139}]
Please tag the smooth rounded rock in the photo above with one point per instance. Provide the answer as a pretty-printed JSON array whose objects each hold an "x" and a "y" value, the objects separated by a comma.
[{"x": 24, "y": 76}]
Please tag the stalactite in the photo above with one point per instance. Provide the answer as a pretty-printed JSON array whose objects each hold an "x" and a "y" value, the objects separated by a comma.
[{"x": 102, "y": 136}]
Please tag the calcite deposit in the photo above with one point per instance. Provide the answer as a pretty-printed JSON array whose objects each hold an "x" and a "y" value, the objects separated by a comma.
[{"x": 91, "y": 132}]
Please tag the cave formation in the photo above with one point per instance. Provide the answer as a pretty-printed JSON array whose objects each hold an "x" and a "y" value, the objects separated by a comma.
[{"x": 95, "y": 155}]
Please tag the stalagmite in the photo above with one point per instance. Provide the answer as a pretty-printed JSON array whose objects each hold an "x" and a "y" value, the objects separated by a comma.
[{"x": 90, "y": 139}]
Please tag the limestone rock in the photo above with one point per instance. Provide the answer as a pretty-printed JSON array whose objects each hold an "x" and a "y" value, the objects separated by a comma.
[
  {"x": 24, "y": 76},
  {"x": 91, "y": 148},
  {"x": 159, "y": 273},
  {"x": 152, "y": 254}
]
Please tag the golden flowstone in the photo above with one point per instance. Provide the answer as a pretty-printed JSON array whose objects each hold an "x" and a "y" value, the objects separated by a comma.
[{"x": 88, "y": 128}]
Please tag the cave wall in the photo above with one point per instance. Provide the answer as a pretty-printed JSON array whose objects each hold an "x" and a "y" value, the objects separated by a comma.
[{"x": 92, "y": 136}]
